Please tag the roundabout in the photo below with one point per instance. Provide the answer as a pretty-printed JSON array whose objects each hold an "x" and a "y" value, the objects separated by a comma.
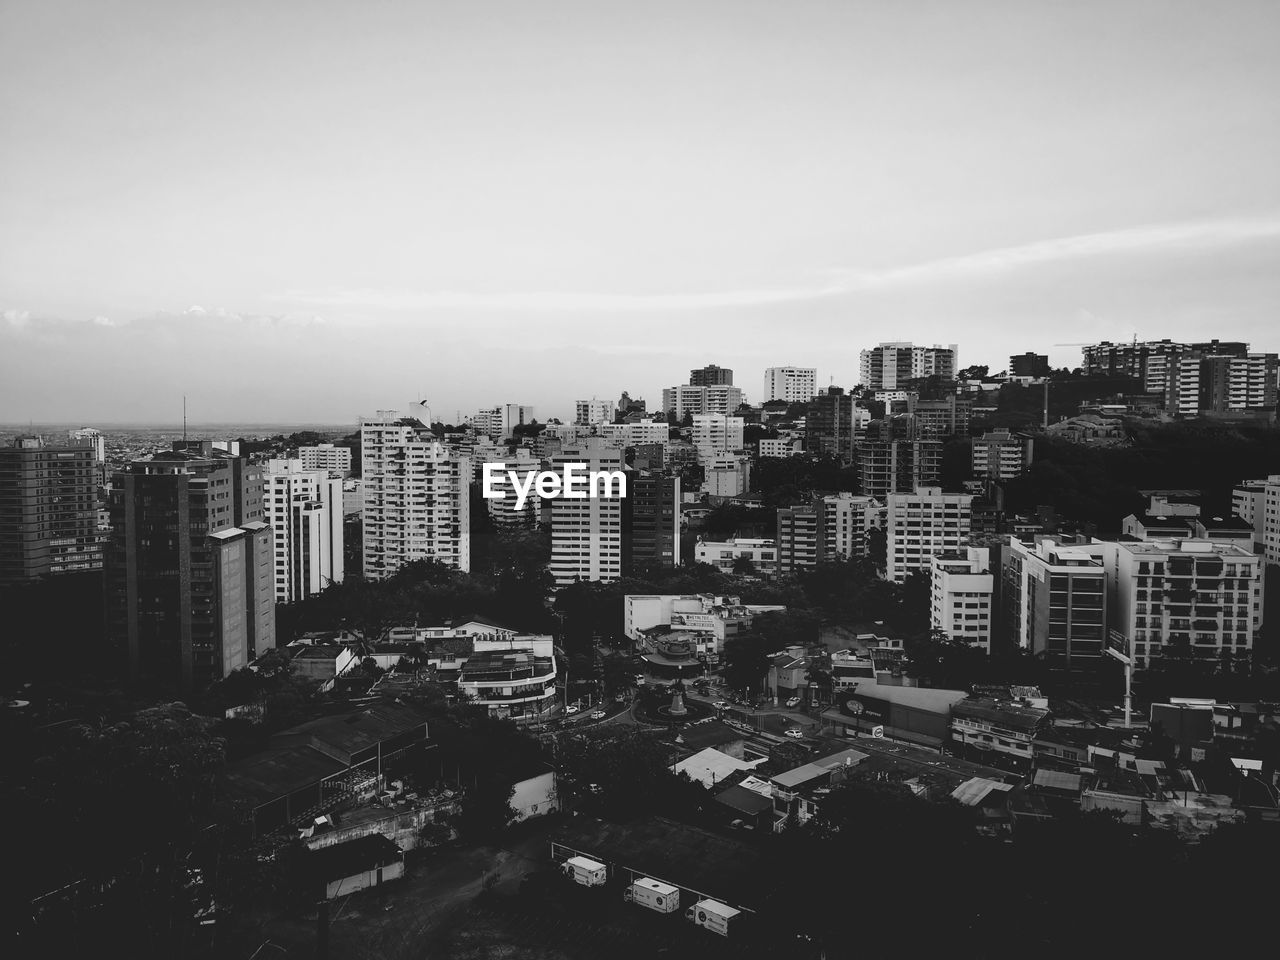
[{"x": 666, "y": 705}]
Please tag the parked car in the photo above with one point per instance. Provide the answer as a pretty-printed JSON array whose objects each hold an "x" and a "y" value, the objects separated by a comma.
[
  {"x": 572, "y": 708},
  {"x": 793, "y": 702},
  {"x": 598, "y": 715},
  {"x": 795, "y": 733},
  {"x": 720, "y": 705}
]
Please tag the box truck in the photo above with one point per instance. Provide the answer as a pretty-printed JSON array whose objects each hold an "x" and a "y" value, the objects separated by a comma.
[
  {"x": 712, "y": 915},
  {"x": 653, "y": 894},
  {"x": 584, "y": 871}
]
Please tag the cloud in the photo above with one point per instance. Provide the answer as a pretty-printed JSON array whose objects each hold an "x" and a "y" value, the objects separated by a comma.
[{"x": 1194, "y": 235}]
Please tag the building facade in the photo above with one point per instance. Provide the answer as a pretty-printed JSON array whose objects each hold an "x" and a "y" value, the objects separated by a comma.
[
  {"x": 586, "y": 535},
  {"x": 790, "y": 384},
  {"x": 893, "y": 457},
  {"x": 711, "y": 376},
  {"x": 325, "y": 456},
  {"x": 652, "y": 519},
  {"x": 829, "y": 425},
  {"x": 962, "y": 589},
  {"x": 922, "y": 524},
  {"x": 715, "y": 434},
  {"x": 590, "y": 413},
  {"x": 691, "y": 399},
  {"x": 890, "y": 366},
  {"x": 190, "y": 580},
  {"x": 1056, "y": 599},
  {"x": 1001, "y": 455},
  {"x": 49, "y": 505},
  {"x": 304, "y": 509},
  {"x": 417, "y": 503}
]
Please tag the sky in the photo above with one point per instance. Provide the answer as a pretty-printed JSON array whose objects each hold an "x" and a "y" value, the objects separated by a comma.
[{"x": 309, "y": 210}]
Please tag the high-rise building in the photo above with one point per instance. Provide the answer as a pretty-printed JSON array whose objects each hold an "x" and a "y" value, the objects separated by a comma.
[
  {"x": 586, "y": 534},
  {"x": 790, "y": 384},
  {"x": 1220, "y": 384},
  {"x": 304, "y": 509},
  {"x": 962, "y": 588},
  {"x": 1152, "y": 361},
  {"x": 944, "y": 416},
  {"x": 715, "y": 434},
  {"x": 893, "y": 457},
  {"x": 1257, "y": 502},
  {"x": 1202, "y": 596},
  {"x": 417, "y": 502},
  {"x": 829, "y": 425},
  {"x": 1029, "y": 365},
  {"x": 689, "y": 399},
  {"x": 325, "y": 456},
  {"x": 830, "y": 528},
  {"x": 49, "y": 498},
  {"x": 891, "y": 366},
  {"x": 190, "y": 568},
  {"x": 636, "y": 432},
  {"x": 589, "y": 413},
  {"x": 503, "y": 510},
  {"x": 922, "y": 524},
  {"x": 1001, "y": 455},
  {"x": 1055, "y": 598},
  {"x": 651, "y": 519},
  {"x": 711, "y": 376},
  {"x": 500, "y": 422}
]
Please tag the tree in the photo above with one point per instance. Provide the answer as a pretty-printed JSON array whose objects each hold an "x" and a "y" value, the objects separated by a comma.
[
  {"x": 486, "y": 809},
  {"x": 743, "y": 566},
  {"x": 746, "y": 661}
]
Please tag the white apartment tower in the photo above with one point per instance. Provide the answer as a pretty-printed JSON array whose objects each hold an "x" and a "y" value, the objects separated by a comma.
[
  {"x": 304, "y": 510},
  {"x": 686, "y": 398},
  {"x": 923, "y": 524},
  {"x": 416, "y": 496},
  {"x": 586, "y": 534},
  {"x": 325, "y": 456},
  {"x": 715, "y": 434},
  {"x": 1202, "y": 595},
  {"x": 962, "y": 587},
  {"x": 792, "y": 384},
  {"x": 589, "y": 413}
]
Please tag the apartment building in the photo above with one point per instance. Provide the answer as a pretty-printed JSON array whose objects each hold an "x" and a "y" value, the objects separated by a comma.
[
  {"x": 651, "y": 515},
  {"x": 694, "y": 399},
  {"x": 49, "y": 506},
  {"x": 304, "y": 509},
  {"x": 924, "y": 523},
  {"x": 417, "y": 503},
  {"x": 1029, "y": 365},
  {"x": 326, "y": 456},
  {"x": 500, "y": 422},
  {"x": 1056, "y": 599},
  {"x": 512, "y": 678},
  {"x": 790, "y": 384},
  {"x": 894, "y": 457},
  {"x": 586, "y": 535},
  {"x": 1203, "y": 596},
  {"x": 503, "y": 511},
  {"x": 961, "y": 600},
  {"x": 190, "y": 568},
  {"x": 779, "y": 448},
  {"x": 724, "y": 554},
  {"x": 726, "y": 475},
  {"x": 891, "y": 366},
  {"x": 1220, "y": 384},
  {"x": 1001, "y": 455},
  {"x": 715, "y": 434},
  {"x": 1257, "y": 502},
  {"x": 711, "y": 376},
  {"x": 946, "y": 416},
  {"x": 637, "y": 432},
  {"x": 829, "y": 425},
  {"x": 589, "y": 413},
  {"x": 830, "y": 528}
]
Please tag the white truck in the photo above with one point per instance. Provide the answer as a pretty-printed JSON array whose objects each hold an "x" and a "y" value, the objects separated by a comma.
[
  {"x": 654, "y": 894},
  {"x": 712, "y": 915},
  {"x": 584, "y": 871}
]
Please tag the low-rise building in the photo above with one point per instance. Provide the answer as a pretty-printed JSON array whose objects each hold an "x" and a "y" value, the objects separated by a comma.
[
  {"x": 797, "y": 793},
  {"x": 513, "y": 679},
  {"x": 997, "y": 732},
  {"x": 725, "y": 555}
]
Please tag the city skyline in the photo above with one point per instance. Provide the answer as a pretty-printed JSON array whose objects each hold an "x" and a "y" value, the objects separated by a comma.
[{"x": 452, "y": 197}]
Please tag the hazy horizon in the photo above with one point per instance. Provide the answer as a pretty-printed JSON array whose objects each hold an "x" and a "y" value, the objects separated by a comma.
[{"x": 307, "y": 212}]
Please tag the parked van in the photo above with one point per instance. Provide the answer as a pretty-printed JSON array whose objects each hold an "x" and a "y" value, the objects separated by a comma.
[
  {"x": 584, "y": 871},
  {"x": 712, "y": 915},
  {"x": 654, "y": 894}
]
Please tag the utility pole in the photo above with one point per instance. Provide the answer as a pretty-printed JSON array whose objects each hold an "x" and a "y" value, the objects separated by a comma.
[{"x": 1118, "y": 647}]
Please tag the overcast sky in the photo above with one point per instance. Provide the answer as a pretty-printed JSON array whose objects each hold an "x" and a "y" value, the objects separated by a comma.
[{"x": 300, "y": 210}]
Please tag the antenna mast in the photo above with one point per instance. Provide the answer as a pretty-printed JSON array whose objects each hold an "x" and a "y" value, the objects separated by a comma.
[{"x": 184, "y": 418}]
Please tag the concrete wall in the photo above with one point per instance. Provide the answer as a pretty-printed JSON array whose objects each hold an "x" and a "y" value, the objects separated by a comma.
[
  {"x": 535, "y": 796},
  {"x": 400, "y": 826},
  {"x": 340, "y": 888}
]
